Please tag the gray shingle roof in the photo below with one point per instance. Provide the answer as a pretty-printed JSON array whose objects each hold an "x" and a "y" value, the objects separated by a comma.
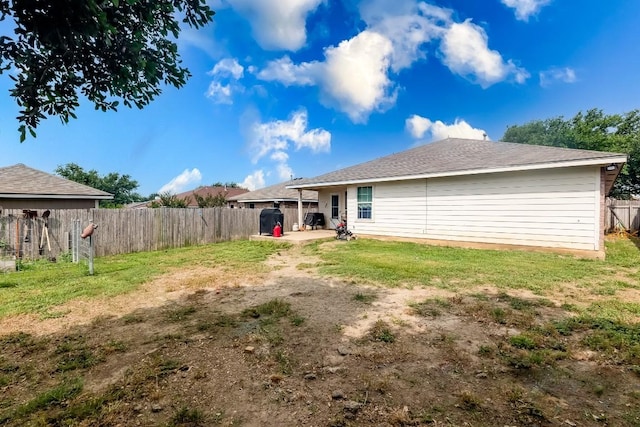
[
  {"x": 455, "y": 155},
  {"x": 21, "y": 180},
  {"x": 277, "y": 193}
]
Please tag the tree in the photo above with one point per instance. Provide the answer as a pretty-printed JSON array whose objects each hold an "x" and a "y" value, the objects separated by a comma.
[
  {"x": 121, "y": 186},
  {"x": 209, "y": 201},
  {"x": 169, "y": 200},
  {"x": 593, "y": 130},
  {"x": 104, "y": 50},
  {"x": 226, "y": 184}
]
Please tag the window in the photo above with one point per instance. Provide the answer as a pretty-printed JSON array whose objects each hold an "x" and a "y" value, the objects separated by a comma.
[
  {"x": 252, "y": 206},
  {"x": 365, "y": 202},
  {"x": 335, "y": 206}
]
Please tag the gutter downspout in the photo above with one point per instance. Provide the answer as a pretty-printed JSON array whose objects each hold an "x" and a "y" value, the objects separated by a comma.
[{"x": 300, "y": 208}]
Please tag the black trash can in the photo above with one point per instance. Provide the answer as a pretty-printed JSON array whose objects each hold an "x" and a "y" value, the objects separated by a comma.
[{"x": 268, "y": 220}]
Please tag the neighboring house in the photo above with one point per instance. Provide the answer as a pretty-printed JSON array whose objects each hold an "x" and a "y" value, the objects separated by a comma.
[
  {"x": 22, "y": 187},
  {"x": 476, "y": 191},
  {"x": 278, "y": 196},
  {"x": 203, "y": 192},
  {"x": 206, "y": 191}
]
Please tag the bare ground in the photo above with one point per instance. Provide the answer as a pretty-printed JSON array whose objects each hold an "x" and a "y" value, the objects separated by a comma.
[{"x": 194, "y": 348}]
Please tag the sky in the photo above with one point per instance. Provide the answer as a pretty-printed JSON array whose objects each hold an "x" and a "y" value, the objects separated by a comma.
[{"x": 298, "y": 88}]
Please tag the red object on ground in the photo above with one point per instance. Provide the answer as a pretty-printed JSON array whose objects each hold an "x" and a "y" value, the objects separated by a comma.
[{"x": 277, "y": 230}]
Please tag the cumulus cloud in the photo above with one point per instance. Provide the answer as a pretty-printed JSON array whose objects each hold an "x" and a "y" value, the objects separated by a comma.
[
  {"x": 525, "y": 8},
  {"x": 274, "y": 139},
  {"x": 283, "y": 70},
  {"x": 228, "y": 67},
  {"x": 277, "y": 25},
  {"x": 254, "y": 181},
  {"x": 187, "y": 179},
  {"x": 407, "y": 24},
  {"x": 418, "y": 126},
  {"x": 356, "y": 76},
  {"x": 352, "y": 78},
  {"x": 227, "y": 70},
  {"x": 277, "y": 136},
  {"x": 466, "y": 52},
  {"x": 557, "y": 75}
]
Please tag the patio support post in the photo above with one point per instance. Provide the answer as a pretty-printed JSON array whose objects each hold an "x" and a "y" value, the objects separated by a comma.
[{"x": 300, "y": 208}]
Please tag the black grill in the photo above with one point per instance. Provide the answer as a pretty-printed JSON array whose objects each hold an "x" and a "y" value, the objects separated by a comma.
[{"x": 269, "y": 218}]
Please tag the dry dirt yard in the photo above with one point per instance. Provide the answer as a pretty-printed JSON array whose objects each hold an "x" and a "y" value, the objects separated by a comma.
[{"x": 205, "y": 348}]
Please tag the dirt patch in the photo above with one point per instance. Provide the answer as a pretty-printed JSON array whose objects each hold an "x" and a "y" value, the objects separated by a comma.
[{"x": 291, "y": 348}]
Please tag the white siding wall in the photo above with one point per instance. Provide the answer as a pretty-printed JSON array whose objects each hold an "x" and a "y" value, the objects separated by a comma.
[
  {"x": 399, "y": 209},
  {"x": 551, "y": 208}
]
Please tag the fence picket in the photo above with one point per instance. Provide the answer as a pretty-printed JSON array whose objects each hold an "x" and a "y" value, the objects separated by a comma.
[{"x": 132, "y": 230}]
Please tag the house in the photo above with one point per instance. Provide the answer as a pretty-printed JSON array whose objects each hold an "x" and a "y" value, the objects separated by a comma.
[
  {"x": 476, "y": 191},
  {"x": 22, "y": 187},
  {"x": 210, "y": 191},
  {"x": 189, "y": 196},
  {"x": 276, "y": 196}
]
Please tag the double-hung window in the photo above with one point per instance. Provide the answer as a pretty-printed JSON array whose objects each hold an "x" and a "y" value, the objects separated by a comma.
[{"x": 365, "y": 202}]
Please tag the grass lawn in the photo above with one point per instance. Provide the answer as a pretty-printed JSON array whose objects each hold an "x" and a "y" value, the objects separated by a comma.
[
  {"x": 412, "y": 335},
  {"x": 43, "y": 285}
]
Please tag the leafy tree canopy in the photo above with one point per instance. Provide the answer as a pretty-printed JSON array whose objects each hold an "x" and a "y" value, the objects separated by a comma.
[
  {"x": 104, "y": 50},
  {"x": 121, "y": 186},
  {"x": 169, "y": 200},
  {"x": 209, "y": 201},
  {"x": 226, "y": 184},
  {"x": 593, "y": 130}
]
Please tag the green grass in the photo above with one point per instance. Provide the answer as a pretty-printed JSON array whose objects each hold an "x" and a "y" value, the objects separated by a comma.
[
  {"x": 395, "y": 264},
  {"x": 42, "y": 286}
]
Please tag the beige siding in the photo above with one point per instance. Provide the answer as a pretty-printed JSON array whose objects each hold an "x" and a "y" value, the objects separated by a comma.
[
  {"x": 399, "y": 209},
  {"x": 551, "y": 208}
]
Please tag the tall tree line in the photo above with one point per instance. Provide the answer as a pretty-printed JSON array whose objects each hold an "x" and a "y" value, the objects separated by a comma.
[{"x": 593, "y": 130}]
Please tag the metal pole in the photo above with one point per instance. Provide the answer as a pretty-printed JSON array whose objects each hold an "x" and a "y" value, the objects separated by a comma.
[{"x": 90, "y": 255}]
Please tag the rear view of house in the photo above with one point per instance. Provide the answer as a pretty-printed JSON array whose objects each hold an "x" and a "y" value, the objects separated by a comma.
[{"x": 476, "y": 191}]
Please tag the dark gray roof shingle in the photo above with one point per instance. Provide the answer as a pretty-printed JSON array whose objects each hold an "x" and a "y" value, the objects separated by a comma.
[
  {"x": 454, "y": 155},
  {"x": 276, "y": 193},
  {"x": 21, "y": 180}
]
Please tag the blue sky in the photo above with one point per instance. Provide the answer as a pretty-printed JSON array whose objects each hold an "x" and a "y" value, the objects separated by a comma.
[{"x": 303, "y": 87}]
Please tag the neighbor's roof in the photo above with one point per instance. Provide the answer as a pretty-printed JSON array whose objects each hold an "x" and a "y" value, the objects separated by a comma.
[
  {"x": 227, "y": 192},
  {"x": 277, "y": 193},
  {"x": 455, "y": 156},
  {"x": 20, "y": 181}
]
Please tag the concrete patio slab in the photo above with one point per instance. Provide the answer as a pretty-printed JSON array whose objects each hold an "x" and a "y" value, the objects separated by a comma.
[{"x": 298, "y": 237}]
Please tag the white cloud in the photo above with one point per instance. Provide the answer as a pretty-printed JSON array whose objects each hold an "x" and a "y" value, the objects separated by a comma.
[
  {"x": 418, "y": 126},
  {"x": 525, "y": 8},
  {"x": 407, "y": 24},
  {"x": 277, "y": 24},
  {"x": 554, "y": 75},
  {"x": 353, "y": 78},
  {"x": 228, "y": 70},
  {"x": 275, "y": 137},
  {"x": 285, "y": 173},
  {"x": 283, "y": 70},
  {"x": 228, "y": 67},
  {"x": 219, "y": 93},
  {"x": 356, "y": 76},
  {"x": 466, "y": 52},
  {"x": 182, "y": 182},
  {"x": 254, "y": 181}
]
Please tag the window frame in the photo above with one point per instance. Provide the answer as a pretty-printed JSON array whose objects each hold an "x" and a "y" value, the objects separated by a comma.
[{"x": 361, "y": 205}]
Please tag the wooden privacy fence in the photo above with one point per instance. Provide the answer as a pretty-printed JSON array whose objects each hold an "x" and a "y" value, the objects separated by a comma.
[
  {"x": 128, "y": 230},
  {"x": 622, "y": 214}
]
